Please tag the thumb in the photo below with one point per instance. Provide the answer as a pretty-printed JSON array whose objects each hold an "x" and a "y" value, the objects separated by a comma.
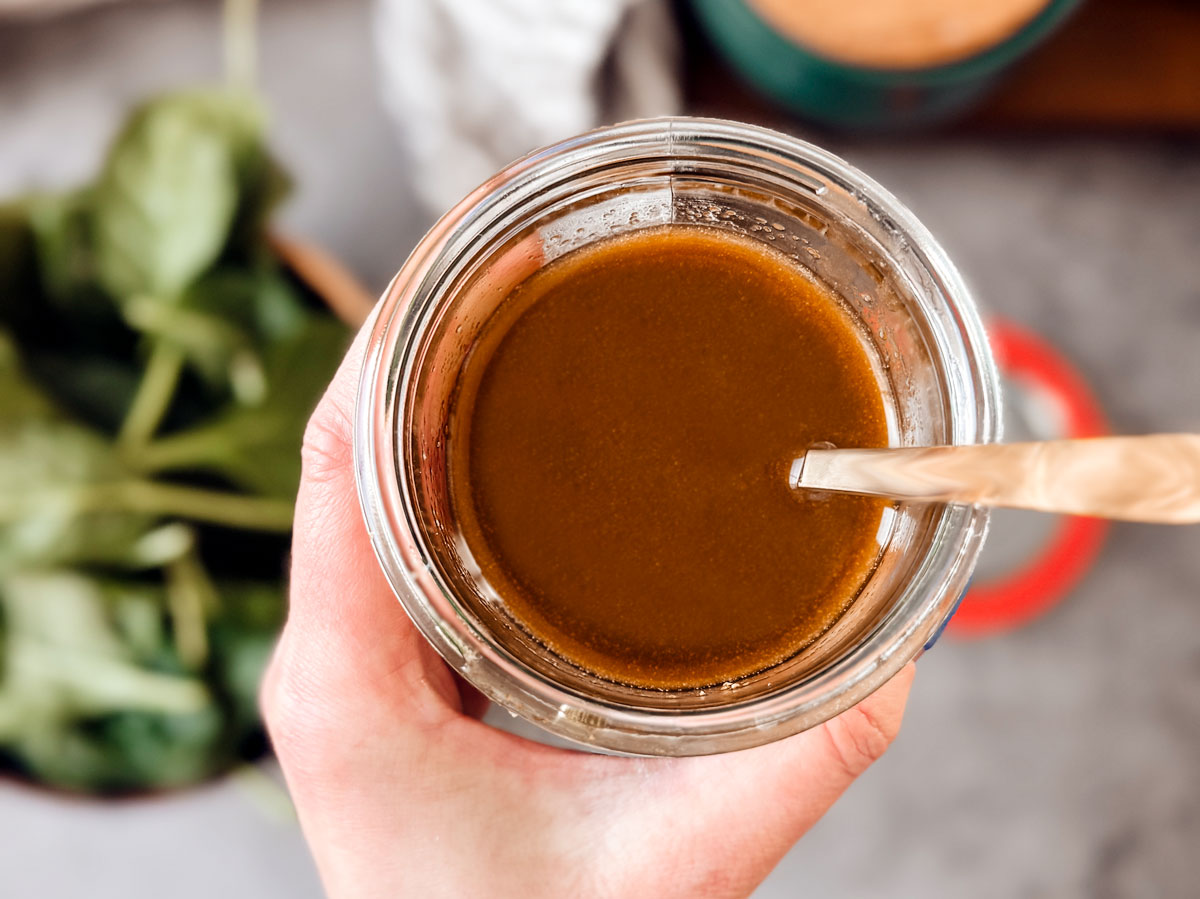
[
  {"x": 348, "y": 652},
  {"x": 760, "y": 801},
  {"x": 800, "y": 777}
]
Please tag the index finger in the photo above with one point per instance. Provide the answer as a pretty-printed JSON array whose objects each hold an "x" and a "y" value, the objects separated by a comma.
[{"x": 346, "y": 630}]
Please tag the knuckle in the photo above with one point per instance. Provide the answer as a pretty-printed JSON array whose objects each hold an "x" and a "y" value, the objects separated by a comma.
[
  {"x": 302, "y": 732},
  {"x": 857, "y": 740},
  {"x": 326, "y": 448}
]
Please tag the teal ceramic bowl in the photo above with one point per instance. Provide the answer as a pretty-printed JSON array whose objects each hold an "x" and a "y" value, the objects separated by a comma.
[{"x": 860, "y": 98}]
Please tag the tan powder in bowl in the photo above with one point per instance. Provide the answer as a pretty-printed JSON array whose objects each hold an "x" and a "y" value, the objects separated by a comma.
[{"x": 897, "y": 34}]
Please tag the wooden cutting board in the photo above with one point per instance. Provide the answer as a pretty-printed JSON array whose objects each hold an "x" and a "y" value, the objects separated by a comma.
[{"x": 1115, "y": 64}]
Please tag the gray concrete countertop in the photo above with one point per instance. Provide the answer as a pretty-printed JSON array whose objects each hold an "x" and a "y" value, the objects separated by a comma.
[{"x": 1063, "y": 760}]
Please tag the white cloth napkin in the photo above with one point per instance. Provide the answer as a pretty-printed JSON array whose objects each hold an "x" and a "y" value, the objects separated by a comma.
[{"x": 475, "y": 84}]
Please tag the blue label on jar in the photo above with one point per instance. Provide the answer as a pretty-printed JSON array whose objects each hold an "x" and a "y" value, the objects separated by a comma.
[{"x": 937, "y": 635}]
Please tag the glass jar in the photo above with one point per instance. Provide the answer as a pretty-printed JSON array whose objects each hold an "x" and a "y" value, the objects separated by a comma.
[{"x": 918, "y": 323}]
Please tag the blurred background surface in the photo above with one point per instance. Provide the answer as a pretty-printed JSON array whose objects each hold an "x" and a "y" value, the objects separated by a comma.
[{"x": 1059, "y": 760}]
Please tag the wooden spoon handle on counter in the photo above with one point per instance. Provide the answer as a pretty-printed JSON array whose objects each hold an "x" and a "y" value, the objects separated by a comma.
[{"x": 1155, "y": 478}]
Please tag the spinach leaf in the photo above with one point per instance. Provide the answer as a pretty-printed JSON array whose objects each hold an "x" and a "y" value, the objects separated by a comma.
[
  {"x": 61, "y": 228},
  {"x": 220, "y": 352},
  {"x": 263, "y": 183},
  {"x": 16, "y": 239},
  {"x": 168, "y": 194},
  {"x": 242, "y": 639},
  {"x": 19, "y": 287},
  {"x": 152, "y": 291},
  {"x": 46, "y": 463},
  {"x": 223, "y": 323},
  {"x": 62, "y": 636},
  {"x": 258, "y": 448},
  {"x": 70, "y": 684},
  {"x": 91, "y": 691},
  {"x": 20, "y": 399},
  {"x": 96, "y": 388},
  {"x": 260, "y": 301},
  {"x": 126, "y": 751},
  {"x": 50, "y": 472}
]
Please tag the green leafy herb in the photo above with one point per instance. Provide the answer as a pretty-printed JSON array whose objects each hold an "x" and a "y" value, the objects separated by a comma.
[
  {"x": 56, "y": 502},
  {"x": 95, "y": 697},
  {"x": 257, "y": 448},
  {"x": 19, "y": 280},
  {"x": 61, "y": 226},
  {"x": 20, "y": 398},
  {"x": 96, "y": 389},
  {"x": 166, "y": 199},
  {"x": 47, "y": 463},
  {"x": 67, "y": 498},
  {"x": 157, "y": 368}
]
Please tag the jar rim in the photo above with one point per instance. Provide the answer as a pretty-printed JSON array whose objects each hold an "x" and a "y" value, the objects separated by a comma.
[{"x": 388, "y": 368}]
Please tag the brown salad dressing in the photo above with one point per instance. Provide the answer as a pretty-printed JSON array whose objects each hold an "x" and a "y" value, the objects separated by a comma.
[{"x": 619, "y": 452}]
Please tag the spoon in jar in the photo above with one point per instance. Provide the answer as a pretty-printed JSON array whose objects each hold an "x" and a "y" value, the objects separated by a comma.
[{"x": 1155, "y": 478}]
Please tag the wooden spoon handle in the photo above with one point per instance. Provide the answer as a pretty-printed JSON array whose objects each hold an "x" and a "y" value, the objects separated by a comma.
[{"x": 1154, "y": 478}]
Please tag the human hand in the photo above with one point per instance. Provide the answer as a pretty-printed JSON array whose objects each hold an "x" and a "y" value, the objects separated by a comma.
[{"x": 402, "y": 791}]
